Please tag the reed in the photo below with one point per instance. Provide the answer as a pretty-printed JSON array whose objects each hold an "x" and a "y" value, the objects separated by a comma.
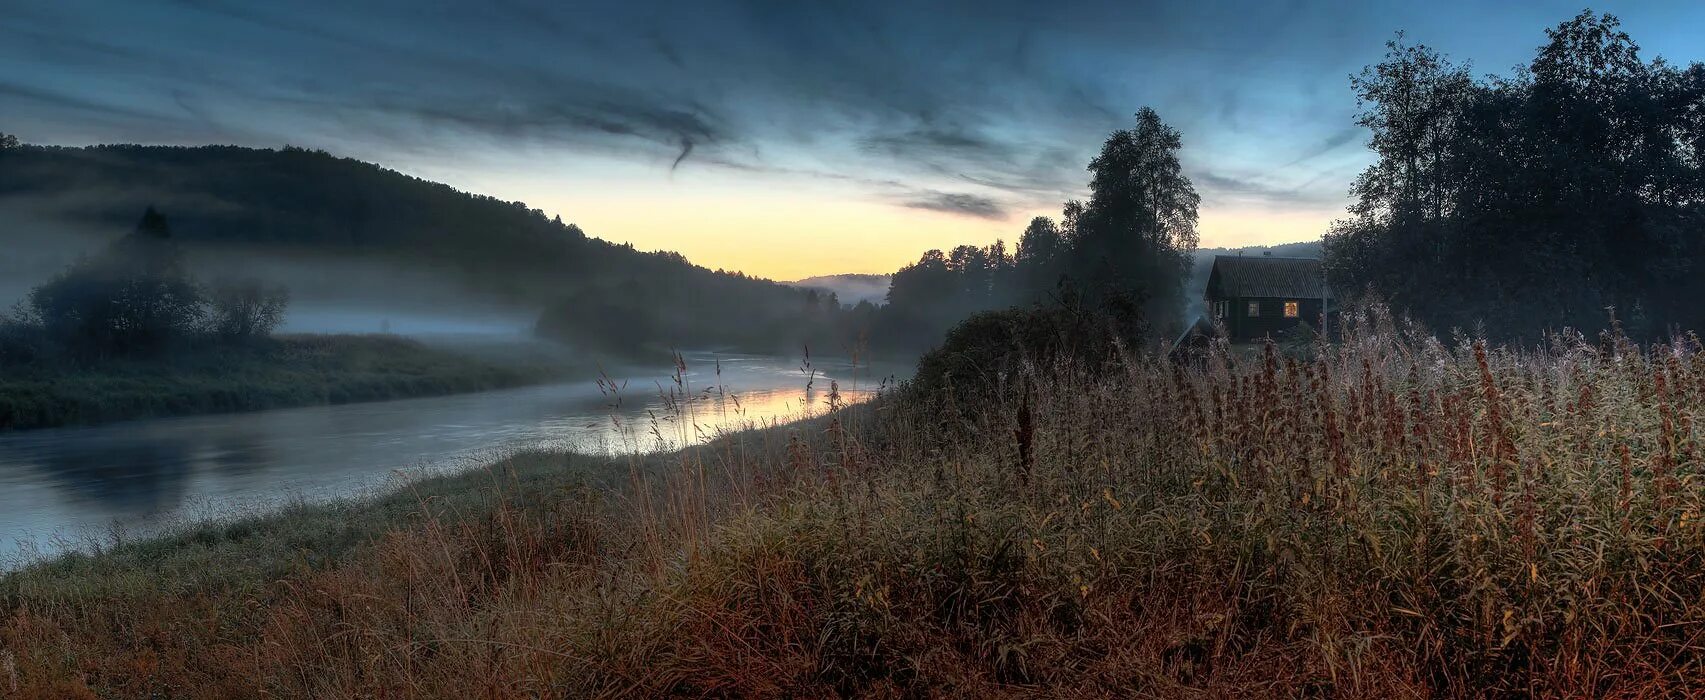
[{"x": 1390, "y": 515}]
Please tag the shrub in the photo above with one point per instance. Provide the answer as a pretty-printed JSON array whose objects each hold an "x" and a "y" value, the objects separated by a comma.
[
  {"x": 243, "y": 310},
  {"x": 133, "y": 297},
  {"x": 988, "y": 349}
]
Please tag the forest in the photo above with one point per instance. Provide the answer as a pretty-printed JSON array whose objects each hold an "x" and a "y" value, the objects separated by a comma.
[
  {"x": 1563, "y": 195},
  {"x": 309, "y": 204}
]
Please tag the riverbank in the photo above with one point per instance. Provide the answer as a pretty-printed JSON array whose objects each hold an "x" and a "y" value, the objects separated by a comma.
[
  {"x": 1386, "y": 518},
  {"x": 287, "y": 371}
]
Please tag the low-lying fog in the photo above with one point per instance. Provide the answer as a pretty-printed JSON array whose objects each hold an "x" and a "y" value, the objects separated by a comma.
[{"x": 327, "y": 295}]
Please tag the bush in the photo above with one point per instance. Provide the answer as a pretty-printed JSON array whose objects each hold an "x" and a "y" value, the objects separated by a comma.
[
  {"x": 984, "y": 351},
  {"x": 20, "y": 340},
  {"x": 133, "y": 297},
  {"x": 136, "y": 298},
  {"x": 245, "y": 309},
  {"x": 106, "y": 305}
]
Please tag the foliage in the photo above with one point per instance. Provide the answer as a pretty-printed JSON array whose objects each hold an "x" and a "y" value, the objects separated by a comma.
[
  {"x": 1533, "y": 201},
  {"x": 1134, "y": 239},
  {"x": 981, "y": 355},
  {"x": 1395, "y": 516},
  {"x": 1127, "y": 253},
  {"x": 243, "y": 310},
  {"x": 134, "y": 297},
  {"x": 314, "y": 205},
  {"x": 306, "y": 202}
]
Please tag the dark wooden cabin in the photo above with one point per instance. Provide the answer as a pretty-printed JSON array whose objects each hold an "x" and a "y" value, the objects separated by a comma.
[{"x": 1261, "y": 296}]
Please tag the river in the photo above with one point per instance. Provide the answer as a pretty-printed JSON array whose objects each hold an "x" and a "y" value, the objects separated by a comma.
[{"x": 62, "y": 488}]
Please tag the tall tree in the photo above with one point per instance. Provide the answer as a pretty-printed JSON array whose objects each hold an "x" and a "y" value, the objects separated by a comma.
[
  {"x": 1531, "y": 202},
  {"x": 1134, "y": 239},
  {"x": 1042, "y": 253}
]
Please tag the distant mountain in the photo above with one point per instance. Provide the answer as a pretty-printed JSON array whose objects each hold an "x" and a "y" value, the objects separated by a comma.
[
  {"x": 849, "y": 288},
  {"x": 347, "y": 232},
  {"x": 1299, "y": 249}
]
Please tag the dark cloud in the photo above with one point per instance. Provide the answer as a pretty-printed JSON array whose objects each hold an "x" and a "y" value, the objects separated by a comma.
[
  {"x": 23, "y": 93},
  {"x": 1337, "y": 140},
  {"x": 1009, "y": 98},
  {"x": 958, "y": 203},
  {"x": 1264, "y": 190}
]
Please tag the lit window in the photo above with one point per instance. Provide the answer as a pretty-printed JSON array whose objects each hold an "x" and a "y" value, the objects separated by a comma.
[
  {"x": 1254, "y": 309},
  {"x": 1220, "y": 309},
  {"x": 1290, "y": 309}
]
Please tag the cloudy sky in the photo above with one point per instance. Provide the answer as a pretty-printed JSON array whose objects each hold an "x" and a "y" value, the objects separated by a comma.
[{"x": 785, "y": 138}]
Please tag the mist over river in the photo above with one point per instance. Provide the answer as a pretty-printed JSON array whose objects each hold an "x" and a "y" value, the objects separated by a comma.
[{"x": 63, "y": 487}]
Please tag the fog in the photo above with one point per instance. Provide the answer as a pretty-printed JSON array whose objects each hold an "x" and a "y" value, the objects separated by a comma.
[
  {"x": 328, "y": 294},
  {"x": 36, "y": 247},
  {"x": 850, "y": 289}
]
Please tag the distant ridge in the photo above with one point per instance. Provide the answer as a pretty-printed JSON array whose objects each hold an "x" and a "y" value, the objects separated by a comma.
[
  {"x": 849, "y": 288},
  {"x": 311, "y": 201},
  {"x": 350, "y": 229}
]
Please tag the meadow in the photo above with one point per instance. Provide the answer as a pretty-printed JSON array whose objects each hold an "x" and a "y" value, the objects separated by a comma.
[{"x": 1389, "y": 515}]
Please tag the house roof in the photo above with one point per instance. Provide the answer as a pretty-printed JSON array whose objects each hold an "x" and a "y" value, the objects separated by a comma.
[{"x": 1265, "y": 276}]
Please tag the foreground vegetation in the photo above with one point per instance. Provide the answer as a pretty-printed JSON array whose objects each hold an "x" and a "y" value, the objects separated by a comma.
[
  {"x": 298, "y": 370},
  {"x": 1392, "y": 515}
]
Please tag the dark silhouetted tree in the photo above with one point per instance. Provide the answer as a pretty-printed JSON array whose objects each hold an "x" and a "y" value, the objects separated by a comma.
[
  {"x": 133, "y": 297},
  {"x": 245, "y": 310},
  {"x": 1042, "y": 256},
  {"x": 1535, "y": 201},
  {"x": 1132, "y": 242}
]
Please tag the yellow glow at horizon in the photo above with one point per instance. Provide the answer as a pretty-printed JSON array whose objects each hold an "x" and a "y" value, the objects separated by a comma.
[
  {"x": 789, "y": 228},
  {"x": 1244, "y": 227}
]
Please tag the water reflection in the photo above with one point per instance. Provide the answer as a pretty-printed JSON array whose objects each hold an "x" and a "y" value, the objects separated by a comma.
[
  {"x": 127, "y": 477},
  {"x": 143, "y": 474},
  {"x": 240, "y": 452}
]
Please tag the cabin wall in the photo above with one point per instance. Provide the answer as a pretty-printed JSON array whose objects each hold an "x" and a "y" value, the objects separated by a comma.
[{"x": 1271, "y": 320}]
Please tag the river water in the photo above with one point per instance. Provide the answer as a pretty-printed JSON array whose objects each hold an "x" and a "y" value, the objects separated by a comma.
[{"x": 60, "y": 488}]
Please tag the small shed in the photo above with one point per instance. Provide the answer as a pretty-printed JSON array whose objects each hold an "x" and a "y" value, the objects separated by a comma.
[{"x": 1257, "y": 297}]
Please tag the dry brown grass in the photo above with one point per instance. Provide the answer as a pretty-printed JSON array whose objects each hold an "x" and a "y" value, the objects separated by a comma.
[{"x": 1391, "y": 517}]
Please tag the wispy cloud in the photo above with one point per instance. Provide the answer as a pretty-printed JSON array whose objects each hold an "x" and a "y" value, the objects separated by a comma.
[
  {"x": 1005, "y": 96},
  {"x": 958, "y": 203}
]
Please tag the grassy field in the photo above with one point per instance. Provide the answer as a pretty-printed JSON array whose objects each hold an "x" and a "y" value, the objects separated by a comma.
[
  {"x": 1391, "y": 517},
  {"x": 287, "y": 371}
]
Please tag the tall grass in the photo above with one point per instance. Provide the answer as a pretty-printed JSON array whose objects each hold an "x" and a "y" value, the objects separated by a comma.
[{"x": 1391, "y": 515}]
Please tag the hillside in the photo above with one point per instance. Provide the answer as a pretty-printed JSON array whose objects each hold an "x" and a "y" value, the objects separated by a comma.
[{"x": 357, "y": 232}]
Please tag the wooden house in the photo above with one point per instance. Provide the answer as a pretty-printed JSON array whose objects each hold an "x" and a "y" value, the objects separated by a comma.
[{"x": 1257, "y": 297}]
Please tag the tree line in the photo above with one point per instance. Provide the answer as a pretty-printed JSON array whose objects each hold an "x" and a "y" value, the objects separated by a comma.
[
  {"x": 1561, "y": 195},
  {"x": 135, "y": 298},
  {"x": 1123, "y": 256},
  {"x": 594, "y": 293},
  {"x": 1125, "y": 248}
]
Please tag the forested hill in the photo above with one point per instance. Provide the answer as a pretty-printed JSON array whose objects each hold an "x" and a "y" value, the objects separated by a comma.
[
  {"x": 310, "y": 200},
  {"x": 309, "y": 203}
]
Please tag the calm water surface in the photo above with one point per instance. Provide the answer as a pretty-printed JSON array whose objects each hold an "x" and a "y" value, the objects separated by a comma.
[{"x": 62, "y": 487}]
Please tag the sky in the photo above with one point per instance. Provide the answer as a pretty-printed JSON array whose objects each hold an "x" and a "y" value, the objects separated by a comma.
[{"x": 782, "y": 138}]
